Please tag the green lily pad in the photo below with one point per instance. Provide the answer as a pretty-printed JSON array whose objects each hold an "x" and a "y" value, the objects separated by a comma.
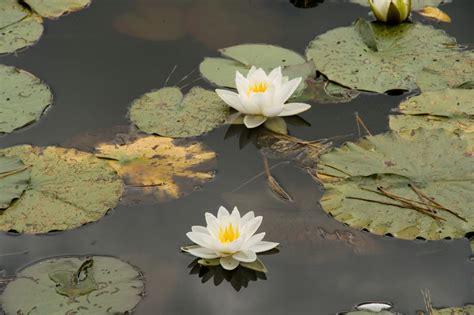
[
  {"x": 451, "y": 109},
  {"x": 110, "y": 286},
  {"x": 221, "y": 71},
  {"x": 14, "y": 179},
  {"x": 20, "y": 34},
  {"x": 427, "y": 169},
  {"x": 453, "y": 71},
  {"x": 466, "y": 310},
  {"x": 68, "y": 188},
  {"x": 415, "y": 4},
  {"x": 56, "y": 8},
  {"x": 23, "y": 98},
  {"x": 11, "y": 11},
  {"x": 167, "y": 112},
  {"x": 347, "y": 55}
]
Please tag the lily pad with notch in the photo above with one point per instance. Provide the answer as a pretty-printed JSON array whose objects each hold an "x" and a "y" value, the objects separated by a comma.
[
  {"x": 23, "y": 98},
  {"x": 55, "y": 8},
  {"x": 68, "y": 188},
  {"x": 14, "y": 180},
  {"x": 221, "y": 71},
  {"x": 410, "y": 186},
  {"x": 377, "y": 57},
  {"x": 451, "y": 109},
  {"x": 96, "y": 285},
  {"x": 167, "y": 112}
]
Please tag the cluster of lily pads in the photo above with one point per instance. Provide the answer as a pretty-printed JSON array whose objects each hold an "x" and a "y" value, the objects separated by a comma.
[{"x": 414, "y": 181}]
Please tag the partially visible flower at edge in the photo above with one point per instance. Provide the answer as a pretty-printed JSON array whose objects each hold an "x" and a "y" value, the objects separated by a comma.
[
  {"x": 391, "y": 11},
  {"x": 261, "y": 96},
  {"x": 229, "y": 238}
]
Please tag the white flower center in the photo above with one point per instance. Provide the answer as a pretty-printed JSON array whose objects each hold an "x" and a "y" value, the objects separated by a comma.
[
  {"x": 228, "y": 234},
  {"x": 257, "y": 88}
]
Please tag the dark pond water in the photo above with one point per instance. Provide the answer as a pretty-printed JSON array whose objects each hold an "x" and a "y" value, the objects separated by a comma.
[{"x": 96, "y": 71}]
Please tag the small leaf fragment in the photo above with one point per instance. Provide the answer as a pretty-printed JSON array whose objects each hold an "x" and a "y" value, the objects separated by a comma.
[{"x": 435, "y": 13}]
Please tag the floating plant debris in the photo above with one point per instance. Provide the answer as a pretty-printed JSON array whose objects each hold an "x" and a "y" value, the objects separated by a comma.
[
  {"x": 14, "y": 180},
  {"x": 56, "y": 8},
  {"x": 167, "y": 112},
  {"x": 160, "y": 167},
  {"x": 23, "y": 98},
  {"x": 378, "y": 57},
  {"x": 96, "y": 285},
  {"x": 435, "y": 13},
  {"x": 221, "y": 71},
  {"x": 68, "y": 188},
  {"x": 405, "y": 186}
]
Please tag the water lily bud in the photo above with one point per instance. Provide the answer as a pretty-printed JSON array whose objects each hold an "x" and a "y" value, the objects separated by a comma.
[{"x": 391, "y": 11}]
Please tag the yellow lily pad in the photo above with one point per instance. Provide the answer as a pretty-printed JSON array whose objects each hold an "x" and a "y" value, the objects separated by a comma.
[
  {"x": 158, "y": 167},
  {"x": 56, "y": 8},
  {"x": 435, "y": 13}
]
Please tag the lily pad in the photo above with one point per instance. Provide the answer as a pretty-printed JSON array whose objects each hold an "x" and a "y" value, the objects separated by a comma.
[
  {"x": 167, "y": 112},
  {"x": 23, "y": 98},
  {"x": 14, "y": 179},
  {"x": 452, "y": 71},
  {"x": 451, "y": 109},
  {"x": 20, "y": 34},
  {"x": 408, "y": 186},
  {"x": 415, "y": 4},
  {"x": 221, "y": 71},
  {"x": 110, "y": 286},
  {"x": 466, "y": 310},
  {"x": 68, "y": 188},
  {"x": 350, "y": 57},
  {"x": 159, "y": 167},
  {"x": 11, "y": 11},
  {"x": 56, "y": 8}
]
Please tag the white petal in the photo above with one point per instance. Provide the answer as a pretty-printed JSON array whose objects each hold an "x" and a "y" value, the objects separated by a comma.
[
  {"x": 251, "y": 227},
  {"x": 222, "y": 213},
  {"x": 204, "y": 240},
  {"x": 277, "y": 125},
  {"x": 258, "y": 101},
  {"x": 263, "y": 246},
  {"x": 235, "y": 215},
  {"x": 276, "y": 75},
  {"x": 291, "y": 109},
  {"x": 199, "y": 229},
  {"x": 212, "y": 224},
  {"x": 286, "y": 90},
  {"x": 231, "y": 98},
  {"x": 258, "y": 76},
  {"x": 247, "y": 217},
  {"x": 251, "y": 71},
  {"x": 272, "y": 110},
  {"x": 255, "y": 239},
  {"x": 202, "y": 252},
  {"x": 241, "y": 83},
  {"x": 252, "y": 121},
  {"x": 245, "y": 256},
  {"x": 229, "y": 263}
]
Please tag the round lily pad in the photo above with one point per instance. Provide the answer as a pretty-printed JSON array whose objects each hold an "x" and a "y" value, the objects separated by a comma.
[
  {"x": 452, "y": 71},
  {"x": 408, "y": 186},
  {"x": 167, "y": 112},
  {"x": 221, "y": 71},
  {"x": 465, "y": 310},
  {"x": 11, "y": 11},
  {"x": 20, "y": 34},
  {"x": 159, "y": 168},
  {"x": 68, "y": 188},
  {"x": 56, "y": 8},
  {"x": 378, "y": 57},
  {"x": 23, "y": 98},
  {"x": 14, "y": 179},
  {"x": 96, "y": 285},
  {"x": 451, "y": 109},
  {"x": 415, "y": 4}
]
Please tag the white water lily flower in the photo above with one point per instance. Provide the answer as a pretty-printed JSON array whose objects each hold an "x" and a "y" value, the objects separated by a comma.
[
  {"x": 391, "y": 11},
  {"x": 261, "y": 96},
  {"x": 229, "y": 237}
]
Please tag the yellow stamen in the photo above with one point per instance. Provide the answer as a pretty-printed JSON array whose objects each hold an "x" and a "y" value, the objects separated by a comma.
[
  {"x": 229, "y": 234},
  {"x": 257, "y": 88}
]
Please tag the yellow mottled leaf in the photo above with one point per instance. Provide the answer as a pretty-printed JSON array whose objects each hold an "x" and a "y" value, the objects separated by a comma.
[
  {"x": 435, "y": 13},
  {"x": 159, "y": 167}
]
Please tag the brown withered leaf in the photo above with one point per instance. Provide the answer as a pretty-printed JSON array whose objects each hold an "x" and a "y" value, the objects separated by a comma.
[{"x": 435, "y": 13}]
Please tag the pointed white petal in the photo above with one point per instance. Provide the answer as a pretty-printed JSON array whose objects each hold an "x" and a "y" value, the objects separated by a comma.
[
  {"x": 247, "y": 217},
  {"x": 199, "y": 229},
  {"x": 251, "y": 71},
  {"x": 212, "y": 224},
  {"x": 291, "y": 109},
  {"x": 235, "y": 215},
  {"x": 252, "y": 226},
  {"x": 263, "y": 246},
  {"x": 204, "y": 240},
  {"x": 245, "y": 256},
  {"x": 222, "y": 213},
  {"x": 272, "y": 110},
  {"x": 255, "y": 239},
  {"x": 229, "y": 263},
  {"x": 252, "y": 121},
  {"x": 275, "y": 76},
  {"x": 286, "y": 90},
  {"x": 231, "y": 98},
  {"x": 202, "y": 252}
]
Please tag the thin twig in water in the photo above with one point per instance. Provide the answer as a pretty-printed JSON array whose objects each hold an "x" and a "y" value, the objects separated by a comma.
[
  {"x": 360, "y": 122},
  {"x": 14, "y": 253},
  {"x": 186, "y": 76},
  {"x": 171, "y": 73},
  {"x": 273, "y": 183},
  {"x": 427, "y": 299},
  {"x": 257, "y": 176},
  {"x": 193, "y": 81}
]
